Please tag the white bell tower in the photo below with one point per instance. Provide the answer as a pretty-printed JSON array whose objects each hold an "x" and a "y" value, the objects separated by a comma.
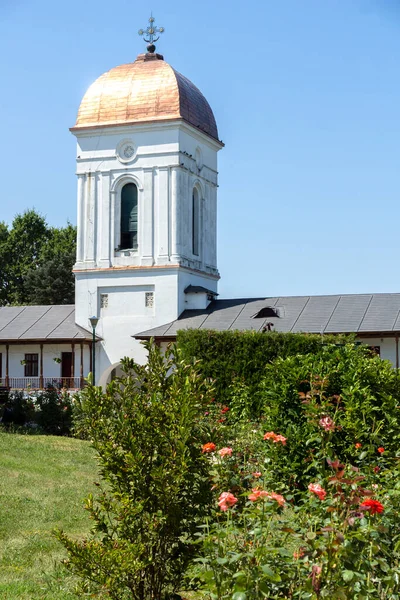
[{"x": 147, "y": 203}]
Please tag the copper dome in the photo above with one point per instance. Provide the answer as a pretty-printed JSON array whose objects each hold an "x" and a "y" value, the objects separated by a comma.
[{"x": 148, "y": 89}]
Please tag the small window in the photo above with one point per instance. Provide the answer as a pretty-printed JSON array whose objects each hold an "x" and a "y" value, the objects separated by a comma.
[
  {"x": 149, "y": 300},
  {"x": 195, "y": 222},
  {"x": 31, "y": 365},
  {"x": 103, "y": 300},
  {"x": 129, "y": 217},
  {"x": 264, "y": 313}
]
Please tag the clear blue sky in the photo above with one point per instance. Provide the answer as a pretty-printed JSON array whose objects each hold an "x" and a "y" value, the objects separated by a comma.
[{"x": 307, "y": 100}]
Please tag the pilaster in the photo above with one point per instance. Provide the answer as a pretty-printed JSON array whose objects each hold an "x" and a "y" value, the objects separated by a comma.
[
  {"x": 146, "y": 217},
  {"x": 163, "y": 218}
]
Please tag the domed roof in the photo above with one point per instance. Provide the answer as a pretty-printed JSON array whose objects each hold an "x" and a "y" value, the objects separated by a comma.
[{"x": 148, "y": 89}]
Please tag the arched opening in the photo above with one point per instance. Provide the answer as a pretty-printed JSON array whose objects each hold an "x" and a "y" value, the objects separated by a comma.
[
  {"x": 129, "y": 217},
  {"x": 110, "y": 374},
  {"x": 195, "y": 222}
]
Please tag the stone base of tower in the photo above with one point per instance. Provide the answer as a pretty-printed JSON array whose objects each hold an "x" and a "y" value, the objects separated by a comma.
[{"x": 128, "y": 301}]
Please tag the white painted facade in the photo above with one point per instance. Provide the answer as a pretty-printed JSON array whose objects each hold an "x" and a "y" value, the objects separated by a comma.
[
  {"x": 135, "y": 290},
  {"x": 52, "y": 368}
]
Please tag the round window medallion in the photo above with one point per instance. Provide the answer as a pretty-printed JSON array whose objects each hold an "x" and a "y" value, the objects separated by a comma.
[{"x": 126, "y": 151}]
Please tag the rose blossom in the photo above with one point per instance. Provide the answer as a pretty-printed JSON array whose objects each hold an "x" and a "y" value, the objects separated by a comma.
[
  {"x": 317, "y": 490},
  {"x": 381, "y": 450},
  {"x": 275, "y": 437},
  {"x": 327, "y": 423},
  {"x": 358, "y": 445},
  {"x": 209, "y": 447},
  {"x": 257, "y": 494},
  {"x": 225, "y": 452},
  {"x": 373, "y": 506},
  {"x": 226, "y": 500}
]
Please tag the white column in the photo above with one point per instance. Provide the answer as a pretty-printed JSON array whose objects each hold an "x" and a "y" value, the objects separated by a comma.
[
  {"x": 213, "y": 226},
  {"x": 114, "y": 229},
  {"x": 104, "y": 220},
  {"x": 80, "y": 219},
  {"x": 163, "y": 220},
  {"x": 175, "y": 238},
  {"x": 146, "y": 218},
  {"x": 89, "y": 220}
]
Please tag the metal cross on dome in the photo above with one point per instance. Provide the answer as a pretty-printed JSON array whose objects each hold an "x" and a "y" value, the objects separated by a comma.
[{"x": 149, "y": 34}]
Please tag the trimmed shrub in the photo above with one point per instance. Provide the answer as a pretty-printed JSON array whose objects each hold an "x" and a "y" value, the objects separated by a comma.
[
  {"x": 49, "y": 411},
  {"x": 227, "y": 356},
  {"x": 148, "y": 437},
  {"x": 54, "y": 412},
  {"x": 18, "y": 410},
  {"x": 342, "y": 402}
]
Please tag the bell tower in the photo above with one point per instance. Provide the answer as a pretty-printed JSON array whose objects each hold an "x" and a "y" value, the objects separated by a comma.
[{"x": 147, "y": 145}]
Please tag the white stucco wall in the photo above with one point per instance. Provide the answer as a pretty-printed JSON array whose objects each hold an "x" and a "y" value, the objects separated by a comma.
[
  {"x": 168, "y": 161},
  {"x": 50, "y": 351},
  {"x": 387, "y": 347}
]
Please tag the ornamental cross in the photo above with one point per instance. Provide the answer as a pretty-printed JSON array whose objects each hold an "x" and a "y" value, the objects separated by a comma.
[{"x": 150, "y": 34}]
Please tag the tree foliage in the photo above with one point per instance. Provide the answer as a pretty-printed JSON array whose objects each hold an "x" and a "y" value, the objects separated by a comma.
[
  {"x": 148, "y": 437},
  {"x": 36, "y": 261}
]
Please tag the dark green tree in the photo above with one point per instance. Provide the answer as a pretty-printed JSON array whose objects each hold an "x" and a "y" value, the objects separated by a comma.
[
  {"x": 36, "y": 261},
  {"x": 52, "y": 283}
]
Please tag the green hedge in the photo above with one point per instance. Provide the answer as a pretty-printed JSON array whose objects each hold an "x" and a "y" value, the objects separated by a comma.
[{"x": 228, "y": 356}]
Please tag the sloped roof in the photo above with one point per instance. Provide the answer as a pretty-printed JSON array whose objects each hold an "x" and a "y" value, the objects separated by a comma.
[
  {"x": 352, "y": 313},
  {"x": 36, "y": 323}
]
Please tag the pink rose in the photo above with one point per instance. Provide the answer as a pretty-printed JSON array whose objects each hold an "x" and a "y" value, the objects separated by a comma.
[
  {"x": 316, "y": 489},
  {"x": 226, "y": 500},
  {"x": 327, "y": 423},
  {"x": 225, "y": 452},
  {"x": 257, "y": 494}
]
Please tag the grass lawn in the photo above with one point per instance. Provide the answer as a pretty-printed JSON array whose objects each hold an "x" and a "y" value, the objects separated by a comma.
[{"x": 43, "y": 480}]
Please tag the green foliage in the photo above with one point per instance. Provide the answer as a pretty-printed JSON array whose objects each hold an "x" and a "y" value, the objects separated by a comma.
[
  {"x": 53, "y": 282},
  {"x": 356, "y": 392},
  {"x": 49, "y": 411},
  {"x": 293, "y": 544},
  {"x": 148, "y": 437},
  {"x": 18, "y": 410},
  {"x": 241, "y": 356},
  {"x": 36, "y": 261},
  {"x": 54, "y": 412}
]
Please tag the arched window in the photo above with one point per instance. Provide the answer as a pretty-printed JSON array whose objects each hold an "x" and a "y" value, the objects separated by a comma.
[
  {"x": 195, "y": 222},
  {"x": 129, "y": 217}
]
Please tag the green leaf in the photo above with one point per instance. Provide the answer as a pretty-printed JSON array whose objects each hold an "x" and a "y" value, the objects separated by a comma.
[
  {"x": 311, "y": 535},
  {"x": 347, "y": 575},
  {"x": 239, "y": 596},
  {"x": 270, "y": 573}
]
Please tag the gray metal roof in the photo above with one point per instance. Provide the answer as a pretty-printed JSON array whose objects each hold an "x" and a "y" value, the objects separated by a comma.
[
  {"x": 26, "y": 323},
  {"x": 352, "y": 313}
]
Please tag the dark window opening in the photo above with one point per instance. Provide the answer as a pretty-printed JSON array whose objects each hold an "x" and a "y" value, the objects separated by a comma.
[
  {"x": 129, "y": 217},
  {"x": 266, "y": 312},
  {"x": 31, "y": 365}
]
